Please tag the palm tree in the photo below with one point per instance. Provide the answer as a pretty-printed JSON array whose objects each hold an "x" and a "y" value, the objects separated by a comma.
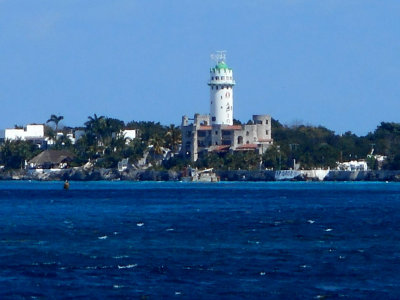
[
  {"x": 55, "y": 119},
  {"x": 96, "y": 126},
  {"x": 157, "y": 143},
  {"x": 173, "y": 137}
]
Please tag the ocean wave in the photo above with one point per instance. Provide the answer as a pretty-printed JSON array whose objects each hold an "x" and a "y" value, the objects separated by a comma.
[{"x": 127, "y": 266}]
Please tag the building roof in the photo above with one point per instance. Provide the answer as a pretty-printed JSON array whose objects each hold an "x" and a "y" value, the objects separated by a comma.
[
  {"x": 247, "y": 147},
  {"x": 203, "y": 127},
  {"x": 221, "y": 65},
  {"x": 220, "y": 148},
  {"x": 232, "y": 127},
  {"x": 265, "y": 140},
  {"x": 52, "y": 157}
]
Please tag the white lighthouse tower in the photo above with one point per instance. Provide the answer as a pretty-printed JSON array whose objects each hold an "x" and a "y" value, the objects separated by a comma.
[{"x": 221, "y": 91}]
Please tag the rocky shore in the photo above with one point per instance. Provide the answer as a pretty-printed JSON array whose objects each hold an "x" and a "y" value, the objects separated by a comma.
[{"x": 82, "y": 174}]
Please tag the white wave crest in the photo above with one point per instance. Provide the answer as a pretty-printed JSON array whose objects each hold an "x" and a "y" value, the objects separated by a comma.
[{"x": 127, "y": 266}]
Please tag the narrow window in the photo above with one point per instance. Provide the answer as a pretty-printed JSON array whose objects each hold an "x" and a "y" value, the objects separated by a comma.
[{"x": 266, "y": 132}]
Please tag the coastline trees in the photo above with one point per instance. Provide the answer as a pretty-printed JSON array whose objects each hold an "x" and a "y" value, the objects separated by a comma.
[
  {"x": 13, "y": 154},
  {"x": 311, "y": 146}
]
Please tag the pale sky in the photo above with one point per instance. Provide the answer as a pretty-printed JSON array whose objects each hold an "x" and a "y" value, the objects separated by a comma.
[{"x": 322, "y": 62}]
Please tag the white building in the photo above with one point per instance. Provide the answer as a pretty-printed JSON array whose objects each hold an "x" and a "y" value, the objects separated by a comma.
[
  {"x": 32, "y": 132},
  {"x": 216, "y": 132},
  {"x": 129, "y": 134},
  {"x": 353, "y": 166},
  {"x": 221, "y": 92}
]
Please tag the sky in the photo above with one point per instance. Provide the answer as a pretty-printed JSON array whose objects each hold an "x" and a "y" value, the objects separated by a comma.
[{"x": 323, "y": 62}]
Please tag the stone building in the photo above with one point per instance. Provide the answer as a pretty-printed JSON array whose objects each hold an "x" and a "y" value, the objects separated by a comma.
[{"x": 216, "y": 132}]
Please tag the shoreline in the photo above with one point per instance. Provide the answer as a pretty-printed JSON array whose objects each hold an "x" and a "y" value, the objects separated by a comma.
[{"x": 81, "y": 174}]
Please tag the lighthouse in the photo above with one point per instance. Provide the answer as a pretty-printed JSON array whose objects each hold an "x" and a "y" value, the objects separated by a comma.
[
  {"x": 199, "y": 138},
  {"x": 221, "y": 91}
]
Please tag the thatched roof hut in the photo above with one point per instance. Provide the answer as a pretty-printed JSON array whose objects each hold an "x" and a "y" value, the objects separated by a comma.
[{"x": 51, "y": 158}]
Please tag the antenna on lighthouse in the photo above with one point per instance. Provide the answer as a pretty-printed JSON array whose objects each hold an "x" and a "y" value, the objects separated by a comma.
[{"x": 219, "y": 56}]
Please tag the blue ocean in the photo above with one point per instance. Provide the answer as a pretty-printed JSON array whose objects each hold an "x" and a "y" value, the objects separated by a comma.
[{"x": 141, "y": 240}]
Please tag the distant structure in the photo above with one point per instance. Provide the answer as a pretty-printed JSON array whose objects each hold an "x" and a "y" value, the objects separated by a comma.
[
  {"x": 58, "y": 159},
  {"x": 36, "y": 133},
  {"x": 32, "y": 132},
  {"x": 216, "y": 131},
  {"x": 353, "y": 165},
  {"x": 221, "y": 91}
]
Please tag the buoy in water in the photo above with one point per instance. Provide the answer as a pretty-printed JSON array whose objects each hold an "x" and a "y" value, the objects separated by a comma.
[{"x": 66, "y": 185}]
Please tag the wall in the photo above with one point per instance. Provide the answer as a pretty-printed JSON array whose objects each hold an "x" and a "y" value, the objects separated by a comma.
[{"x": 31, "y": 132}]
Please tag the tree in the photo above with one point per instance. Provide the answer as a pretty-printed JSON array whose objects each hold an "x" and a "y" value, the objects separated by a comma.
[
  {"x": 95, "y": 126},
  {"x": 173, "y": 137},
  {"x": 134, "y": 150},
  {"x": 63, "y": 142},
  {"x": 55, "y": 119},
  {"x": 50, "y": 133},
  {"x": 271, "y": 158},
  {"x": 148, "y": 130},
  {"x": 13, "y": 154},
  {"x": 157, "y": 142}
]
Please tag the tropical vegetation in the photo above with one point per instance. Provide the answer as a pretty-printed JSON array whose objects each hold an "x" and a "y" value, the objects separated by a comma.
[{"x": 104, "y": 145}]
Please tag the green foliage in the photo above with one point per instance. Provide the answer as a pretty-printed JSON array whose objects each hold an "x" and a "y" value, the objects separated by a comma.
[
  {"x": 13, "y": 154},
  {"x": 109, "y": 161},
  {"x": 148, "y": 130},
  {"x": 311, "y": 146},
  {"x": 50, "y": 132},
  {"x": 173, "y": 137},
  {"x": 320, "y": 147},
  {"x": 176, "y": 163},
  {"x": 273, "y": 158},
  {"x": 134, "y": 150}
]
